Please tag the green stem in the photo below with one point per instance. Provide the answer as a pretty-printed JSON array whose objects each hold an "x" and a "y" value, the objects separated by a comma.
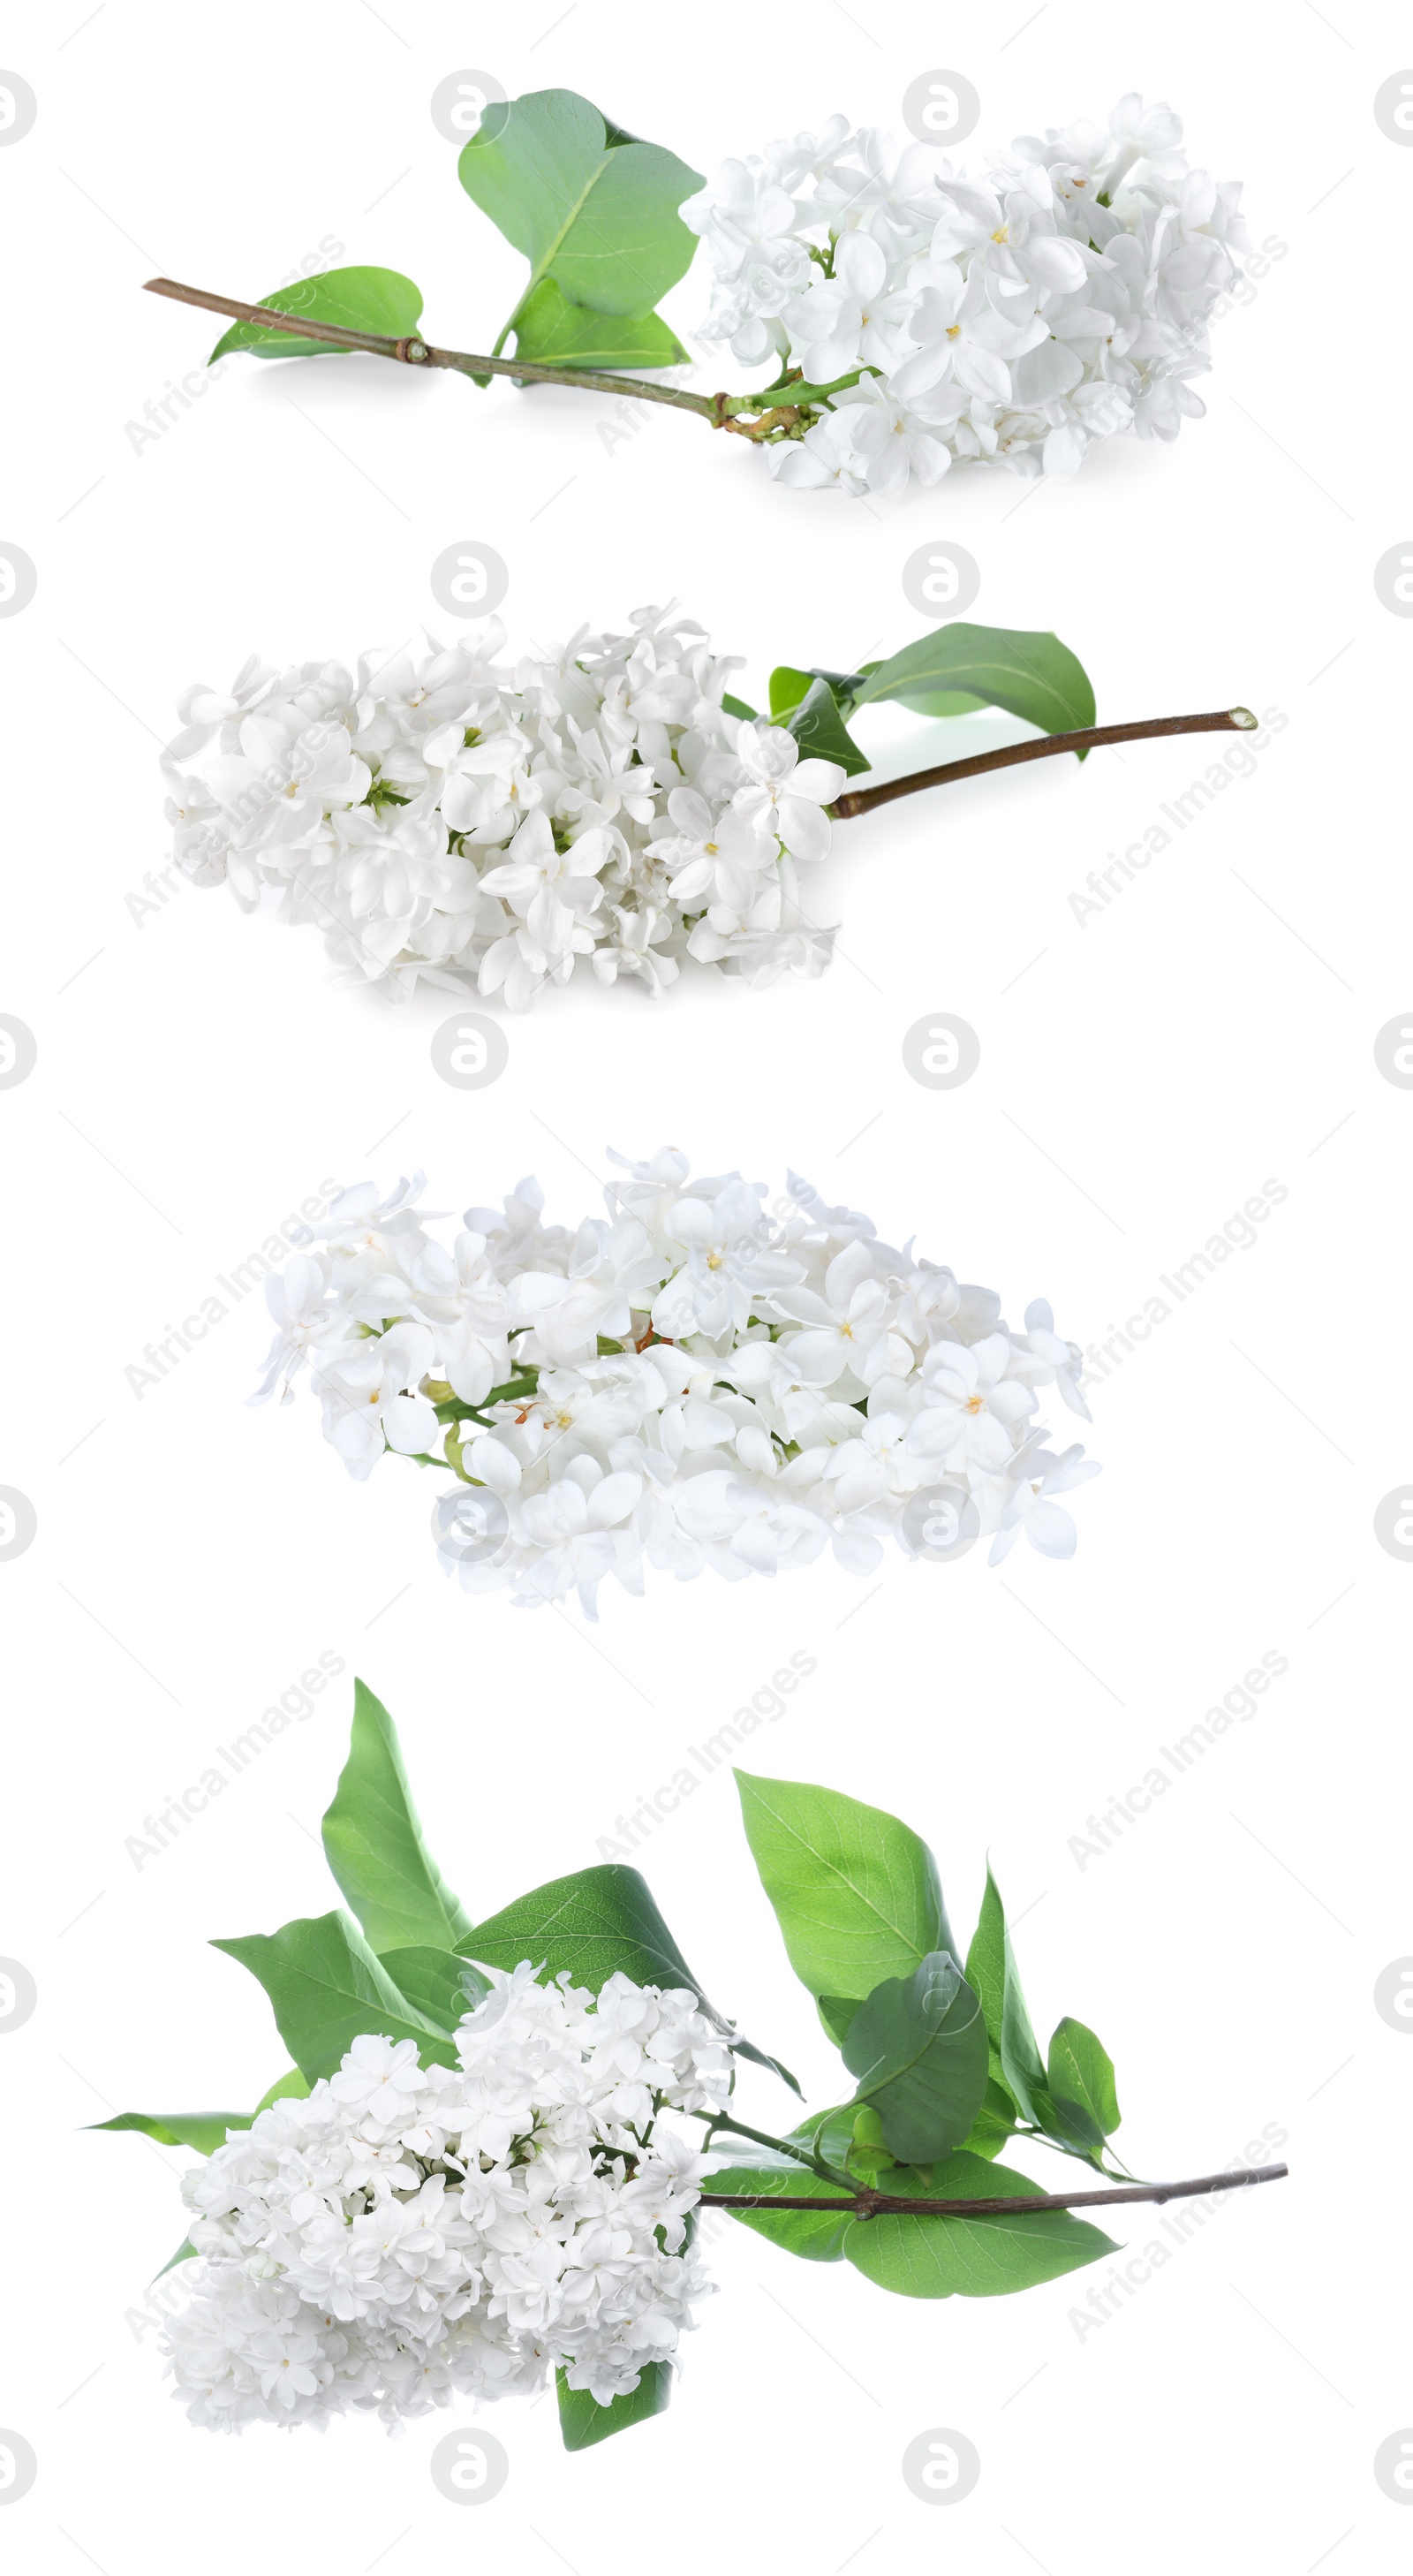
[
  {"x": 783, "y": 2146},
  {"x": 789, "y": 389}
]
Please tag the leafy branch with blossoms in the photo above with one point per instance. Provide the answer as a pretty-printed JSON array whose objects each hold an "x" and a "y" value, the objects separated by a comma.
[
  {"x": 918, "y": 317},
  {"x": 693, "y": 1381},
  {"x": 485, "y": 2165},
  {"x": 447, "y": 819}
]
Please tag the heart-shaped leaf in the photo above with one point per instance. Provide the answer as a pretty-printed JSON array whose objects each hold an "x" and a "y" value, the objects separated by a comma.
[{"x": 593, "y": 209}]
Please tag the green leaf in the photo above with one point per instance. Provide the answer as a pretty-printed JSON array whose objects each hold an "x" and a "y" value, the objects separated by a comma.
[
  {"x": 1031, "y": 675},
  {"x": 204, "y": 2130},
  {"x": 992, "y": 1974},
  {"x": 918, "y": 2046},
  {"x": 380, "y": 300},
  {"x": 972, "y": 2258},
  {"x": 1083, "y": 2094},
  {"x": 185, "y": 2253},
  {"x": 556, "y": 333},
  {"x": 373, "y": 1843},
  {"x": 816, "y": 2240},
  {"x": 856, "y": 1893},
  {"x": 582, "y": 2421},
  {"x": 591, "y": 208},
  {"x": 738, "y": 707},
  {"x": 787, "y": 688},
  {"x": 836, "y": 2012},
  {"x": 326, "y": 1987},
  {"x": 995, "y": 2122},
  {"x": 820, "y": 731},
  {"x": 596, "y": 1922},
  {"x": 438, "y": 1985}
]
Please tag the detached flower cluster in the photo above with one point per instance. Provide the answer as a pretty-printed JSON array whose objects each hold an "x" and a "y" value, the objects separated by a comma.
[
  {"x": 694, "y": 1379},
  {"x": 1010, "y": 319},
  {"x": 409, "y": 2234},
  {"x": 442, "y": 817}
]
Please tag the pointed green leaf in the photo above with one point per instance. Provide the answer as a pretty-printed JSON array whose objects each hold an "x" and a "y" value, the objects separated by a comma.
[
  {"x": 820, "y": 731},
  {"x": 856, "y": 1892},
  {"x": 185, "y": 2253},
  {"x": 556, "y": 333},
  {"x": 326, "y": 1988},
  {"x": 738, "y": 707},
  {"x": 991, "y": 1972},
  {"x": 971, "y": 2258},
  {"x": 590, "y": 207},
  {"x": 379, "y": 300},
  {"x": 373, "y": 1843},
  {"x": 1082, "y": 2091},
  {"x": 919, "y": 2049},
  {"x": 203, "y": 2130},
  {"x": 582, "y": 2421},
  {"x": 596, "y": 1923},
  {"x": 1032, "y": 675}
]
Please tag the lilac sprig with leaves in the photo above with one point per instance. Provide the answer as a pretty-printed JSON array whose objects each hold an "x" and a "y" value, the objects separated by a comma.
[
  {"x": 919, "y": 316},
  {"x": 449, "y": 818},
  {"x": 486, "y": 2164}
]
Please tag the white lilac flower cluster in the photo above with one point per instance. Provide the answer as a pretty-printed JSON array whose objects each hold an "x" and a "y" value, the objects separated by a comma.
[
  {"x": 410, "y": 2234},
  {"x": 439, "y": 816},
  {"x": 1013, "y": 318},
  {"x": 694, "y": 1380}
]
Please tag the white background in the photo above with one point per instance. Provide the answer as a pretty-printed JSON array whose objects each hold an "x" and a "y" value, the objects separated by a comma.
[{"x": 1140, "y": 1078}]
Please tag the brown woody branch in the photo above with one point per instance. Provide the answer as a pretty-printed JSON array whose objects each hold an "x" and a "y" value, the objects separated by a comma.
[
  {"x": 417, "y": 352},
  {"x": 863, "y": 800},
  {"x": 868, "y": 2203}
]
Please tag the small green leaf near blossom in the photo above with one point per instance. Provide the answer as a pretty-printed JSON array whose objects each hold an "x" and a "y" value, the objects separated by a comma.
[{"x": 582, "y": 2421}]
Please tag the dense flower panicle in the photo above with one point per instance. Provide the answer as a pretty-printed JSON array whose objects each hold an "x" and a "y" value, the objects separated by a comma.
[
  {"x": 411, "y": 2234},
  {"x": 444, "y": 817},
  {"x": 692, "y": 1380},
  {"x": 1013, "y": 318}
]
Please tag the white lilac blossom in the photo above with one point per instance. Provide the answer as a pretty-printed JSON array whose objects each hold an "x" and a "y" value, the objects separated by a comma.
[
  {"x": 1011, "y": 318},
  {"x": 696, "y": 1379},
  {"x": 408, "y": 2234},
  {"x": 439, "y": 816}
]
